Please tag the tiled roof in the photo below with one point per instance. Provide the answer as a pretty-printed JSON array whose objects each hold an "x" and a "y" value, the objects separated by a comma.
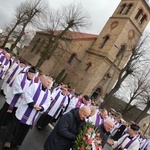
[{"x": 74, "y": 35}]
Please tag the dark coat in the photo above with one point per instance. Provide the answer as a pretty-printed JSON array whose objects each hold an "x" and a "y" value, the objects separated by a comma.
[
  {"x": 65, "y": 131},
  {"x": 103, "y": 134},
  {"x": 119, "y": 133}
]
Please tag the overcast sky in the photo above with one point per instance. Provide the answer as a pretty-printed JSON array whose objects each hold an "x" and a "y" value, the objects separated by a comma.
[{"x": 98, "y": 10}]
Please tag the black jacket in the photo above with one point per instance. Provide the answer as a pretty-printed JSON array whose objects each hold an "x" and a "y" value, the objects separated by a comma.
[
  {"x": 103, "y": 134},
  {"x": 65, "y": 131}
]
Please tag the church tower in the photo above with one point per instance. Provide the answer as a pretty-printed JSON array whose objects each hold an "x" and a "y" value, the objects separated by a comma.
[{"x": 112, "y": 48}]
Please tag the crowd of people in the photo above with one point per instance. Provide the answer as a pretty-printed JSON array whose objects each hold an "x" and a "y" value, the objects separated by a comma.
[{"x": 32, "y": 100}]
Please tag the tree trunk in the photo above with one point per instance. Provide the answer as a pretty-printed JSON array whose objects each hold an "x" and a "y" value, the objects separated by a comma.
[
  {"x": 128, "y": 109},
  {"x": 40, "y": 62},
  {"x": 10, "y": 32},
  {"x": 18, "y": 38},
  {"x": 127, "y": 106},
  {"x": 143, "y": 113}
]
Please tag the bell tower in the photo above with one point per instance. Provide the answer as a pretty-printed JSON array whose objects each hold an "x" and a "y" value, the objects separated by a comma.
[{"x": 112, "y": 48}]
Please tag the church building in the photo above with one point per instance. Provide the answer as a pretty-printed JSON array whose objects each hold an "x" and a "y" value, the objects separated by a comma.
[{"x": 89, "y": 63}]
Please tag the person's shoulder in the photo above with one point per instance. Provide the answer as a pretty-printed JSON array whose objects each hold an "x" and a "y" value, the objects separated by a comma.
[{"x": 72, "y": 112}]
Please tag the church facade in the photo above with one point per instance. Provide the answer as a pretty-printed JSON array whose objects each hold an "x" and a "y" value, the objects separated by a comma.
[{"x": 90, "y": 64}]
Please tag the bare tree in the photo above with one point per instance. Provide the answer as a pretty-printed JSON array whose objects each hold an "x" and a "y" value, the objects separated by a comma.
[
  {"x": 71, "y": 17},
  {"x": 26, "y": 12},
  {"x": 137, "y": 85},
  {"x": 137, "y": 55},
  {"x": 145, "y": 100}
]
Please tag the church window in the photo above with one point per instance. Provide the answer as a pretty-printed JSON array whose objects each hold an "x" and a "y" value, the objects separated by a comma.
[
  {"x": 144, "y": 17},
  {"x": 71, "y": 58},
  {"x": 138, "y": 13},
  {"x": 41, "y": 44},
  {"x": 105, "y": 39},
  {"x": 35, "y": 44},
  {"x": 89, "y": 64},
  {"x": 128, "y": 8},
  {"x": 98, "y": 92},
  {"x": 122, "y": 50},
  {"x": 122, "y": 9}
]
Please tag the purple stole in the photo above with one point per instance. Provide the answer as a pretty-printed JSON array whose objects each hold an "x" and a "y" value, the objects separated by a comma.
[
  {"x": 128, "y": 144},
  {"x": 2, "y": 58},
  {"x": 63, "y": 100},
  {"x": 57, "y": 88},
  {"x": 16, "y": 97},
  {"x": 53, "y": 102},
  {"x": 12, "y": 74},
  {"x": 72, "y": 96},
  {"x": 36, "y": 80},
  {"x": 144, "y": 145},
  {"x": 98, "y": 119},
  {"x": 35, "y": 98},
  {"x": 78, "y": 104},
  {"x": 6, "y": 62}
]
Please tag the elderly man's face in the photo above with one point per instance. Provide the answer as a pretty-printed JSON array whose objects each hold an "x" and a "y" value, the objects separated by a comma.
[
  {"x": 108, "y": 126},
  {"x": 83, "y": 114},
  {"x": 46, "y": 82}
]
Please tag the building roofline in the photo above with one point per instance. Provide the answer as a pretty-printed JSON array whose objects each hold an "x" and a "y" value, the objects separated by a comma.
[{"x": 74, "y": 35}]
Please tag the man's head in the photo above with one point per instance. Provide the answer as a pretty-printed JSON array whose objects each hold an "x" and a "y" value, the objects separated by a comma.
[
  {"x": 31, "y": 72},
  {"x": 46, "y": 81},
  {"x": 68, "y": 91},
  {"x": 64, "y": 90},
  {"x": 93, "y": 110},
  {"x": 134, "y": 128},
  {"x": 41, "y": 75},
  {"x": 84, "y": 112},
  {"x": 104, "y": 113},
  {"x": 108, "y": 124},
  {"x": 85, "y": 99},
  {"x": 7, "y": 55},
  {"x": 22, "y": 63}
]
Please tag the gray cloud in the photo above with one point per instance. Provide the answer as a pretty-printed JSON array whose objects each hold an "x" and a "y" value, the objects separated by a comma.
[{"x": 98, "y": 10}]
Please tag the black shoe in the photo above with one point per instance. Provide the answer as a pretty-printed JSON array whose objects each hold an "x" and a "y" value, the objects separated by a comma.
[
  {"x": 14, "y": 147},
  {"x": 2, "y": 92}
]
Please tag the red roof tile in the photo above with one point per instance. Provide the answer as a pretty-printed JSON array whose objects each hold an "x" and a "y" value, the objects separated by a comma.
[{"x": 74, "y": 35}]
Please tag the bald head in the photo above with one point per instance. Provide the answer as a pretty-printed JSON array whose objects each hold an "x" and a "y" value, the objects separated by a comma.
[
  {"x": 7, "y": 55},
  {"x": 84, "y": 112},
  {"x": 93, "y": 110}
]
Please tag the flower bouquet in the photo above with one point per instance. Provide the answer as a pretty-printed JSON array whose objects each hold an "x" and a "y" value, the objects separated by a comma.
[{"x": 88, "y": 139}]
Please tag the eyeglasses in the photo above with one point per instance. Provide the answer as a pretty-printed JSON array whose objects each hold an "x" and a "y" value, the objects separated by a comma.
[{"x": 110, "y": 126}]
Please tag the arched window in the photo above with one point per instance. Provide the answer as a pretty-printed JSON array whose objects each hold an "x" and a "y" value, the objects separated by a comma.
[
  {"x": 35, "y": 44},
  {"x": 122, "y": 9},
  {"x": 143, "y": 19},
  {"x": 98, "y": 92},
  {"x": 122, "y": 50},
  {"x": 105, "y": 39},
  {"x": 89, "y": 64},
  {"x": 60, "y": 76},
  {"x": 40, "y": 46},
  {"x": 129, "y": 8},
  {"x": 71, "y": 58},
  {"x": 138, "y": 13}
]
